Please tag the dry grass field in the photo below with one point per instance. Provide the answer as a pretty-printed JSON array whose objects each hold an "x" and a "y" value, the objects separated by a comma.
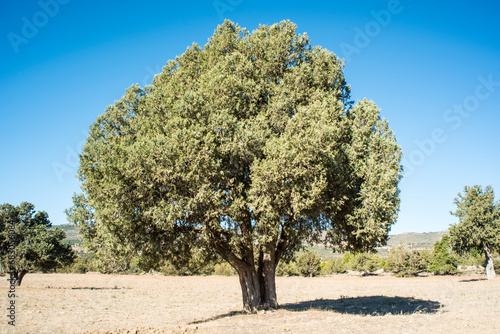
[{"x": 94, "y": 303}]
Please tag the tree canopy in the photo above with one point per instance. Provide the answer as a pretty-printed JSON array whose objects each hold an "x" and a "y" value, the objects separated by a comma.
[
  {"x": 479, "y": 224},
  {"x": 28, "y": 235},
  {"x": 244, "y": 148}
]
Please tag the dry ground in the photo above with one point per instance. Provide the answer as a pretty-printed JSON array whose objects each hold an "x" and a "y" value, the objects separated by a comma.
[{"x": 94, "y": 303}]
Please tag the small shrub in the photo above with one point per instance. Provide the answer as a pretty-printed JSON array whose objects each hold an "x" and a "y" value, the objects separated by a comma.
[
  {"x": 443, "y": 263},
  {"x": 168, "y": 269},
  {"x": 404, "y": 261},
  {"x": 364, "y": 262},
  {"x": 307, "y": 264},
  {"x": 286, "y": 269},
  {"x": 335, "y": 266},
  {"x": 81, "y": 265},
  {"x": 224, "y": 269},
  {"x": 133, "y": 268},
  {"x": 473, "y": 258}
]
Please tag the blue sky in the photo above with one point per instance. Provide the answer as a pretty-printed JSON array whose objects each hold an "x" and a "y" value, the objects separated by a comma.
[{"x": 432, "y": 67}]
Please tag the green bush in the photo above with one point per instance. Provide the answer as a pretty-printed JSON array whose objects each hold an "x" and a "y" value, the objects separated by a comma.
[
  {"x": 81, "y": 265},
  {"x": 133, "y": 267},
  {"x": 168, "y": 269},
  {"x": 404, "y": 261},
  {"x": 335, "y": 266},
  {"x": 364, "y": 262},
  {"x": 286, "y": 269},
  {"x": 224, "y": 269},
  {"x": 473, "y": 258},
  {"x": 307, "y": 264},
  {"x": 197, "y": 265},
  {"x": 444, "y": 263}
]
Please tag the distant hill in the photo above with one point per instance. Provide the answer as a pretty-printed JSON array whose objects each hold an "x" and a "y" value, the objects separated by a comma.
[
  {"x": 72, "y": 236},
  {"x": 416, "y": 240}
]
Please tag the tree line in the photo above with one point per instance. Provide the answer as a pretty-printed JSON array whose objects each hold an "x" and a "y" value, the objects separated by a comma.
[
  {"x": 402, "y": 261},
  {"x": 38, "y": 247}
]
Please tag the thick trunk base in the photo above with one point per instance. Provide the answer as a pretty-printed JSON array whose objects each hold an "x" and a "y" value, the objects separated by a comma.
[
  {"x": 258, "y": 288},
  {"x": 250, "y": 288},
  {"x": 267, "y": 281},
  {"x": 18, "y": 276}
]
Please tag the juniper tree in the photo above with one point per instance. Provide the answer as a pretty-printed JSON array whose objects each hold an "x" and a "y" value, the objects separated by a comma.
[
  {"x": 244, "y": 148},
  {"x": 27, "y": 241},
  {"x": 479, "y": 224}
]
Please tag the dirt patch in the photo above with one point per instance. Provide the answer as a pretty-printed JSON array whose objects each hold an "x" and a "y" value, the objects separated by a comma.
[{"x": 94, "y": 303}]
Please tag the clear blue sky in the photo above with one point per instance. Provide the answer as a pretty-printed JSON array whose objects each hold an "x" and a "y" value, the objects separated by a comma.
[{"x": 433, "y": 67}]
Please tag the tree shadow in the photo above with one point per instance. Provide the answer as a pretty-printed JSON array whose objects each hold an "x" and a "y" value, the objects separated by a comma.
[
  {"x": 85, "y": 288},
  {"x": 369, "y": 305},
  {"x": 472, "y": 280},
  {"x": 217, "y": 317}
]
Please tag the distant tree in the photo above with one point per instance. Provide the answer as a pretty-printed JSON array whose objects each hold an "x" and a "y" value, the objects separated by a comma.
[
  {"x": 479, "y": 224},
  {"x": 443, "y": 262},
  {"x": 244, "y": 148},
  {"x": 28, "y": 235}
]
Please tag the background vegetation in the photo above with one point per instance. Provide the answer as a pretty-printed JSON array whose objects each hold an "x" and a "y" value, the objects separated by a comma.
[{"x": 406, "y": 255}]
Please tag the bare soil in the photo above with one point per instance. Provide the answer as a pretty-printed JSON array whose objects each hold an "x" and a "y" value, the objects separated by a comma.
[{"x": 95, "y": 303}]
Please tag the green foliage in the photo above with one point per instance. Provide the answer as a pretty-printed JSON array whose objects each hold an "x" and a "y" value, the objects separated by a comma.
[
  {"x": 81, "y": 265},
  {"x": 111, "y": 254},
  {"x": 168, "y": 269},
  {"x": 472, "y": 258},
  {"x": 224, "y": 269},
  {"x": 335, "y": 266},
  {"x": 247, "y": 146},
  {"x": 250, "y": 136},
  {"x": 286, "y": 268},
  {"x": 196, "y": 266},
  {"x": 37, "y": 246},
  {"x": 404, "y": 261},
  {"x": 444, "y": 263},
  {"x": 479, "y": 224},
  {"x": 479, "y": 221},
  {"x": 364, "y": 262},
  {"x": 308, "y": 264}
]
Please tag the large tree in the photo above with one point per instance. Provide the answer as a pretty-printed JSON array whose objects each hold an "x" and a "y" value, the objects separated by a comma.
[
  {"x": 479, "y": 224},
  {"x": 27, "y": 241},
  {"x": 244, "y": 148}
]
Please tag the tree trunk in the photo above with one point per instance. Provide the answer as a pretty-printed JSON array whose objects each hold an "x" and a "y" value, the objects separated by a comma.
[
  {"x": 19, "y": 276},
  {"x": 250, "y": 288},
  {"x": 490, "y": 269},
  {"x": 267, "y": 281},
  {"x": 258, "y": 288}
]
